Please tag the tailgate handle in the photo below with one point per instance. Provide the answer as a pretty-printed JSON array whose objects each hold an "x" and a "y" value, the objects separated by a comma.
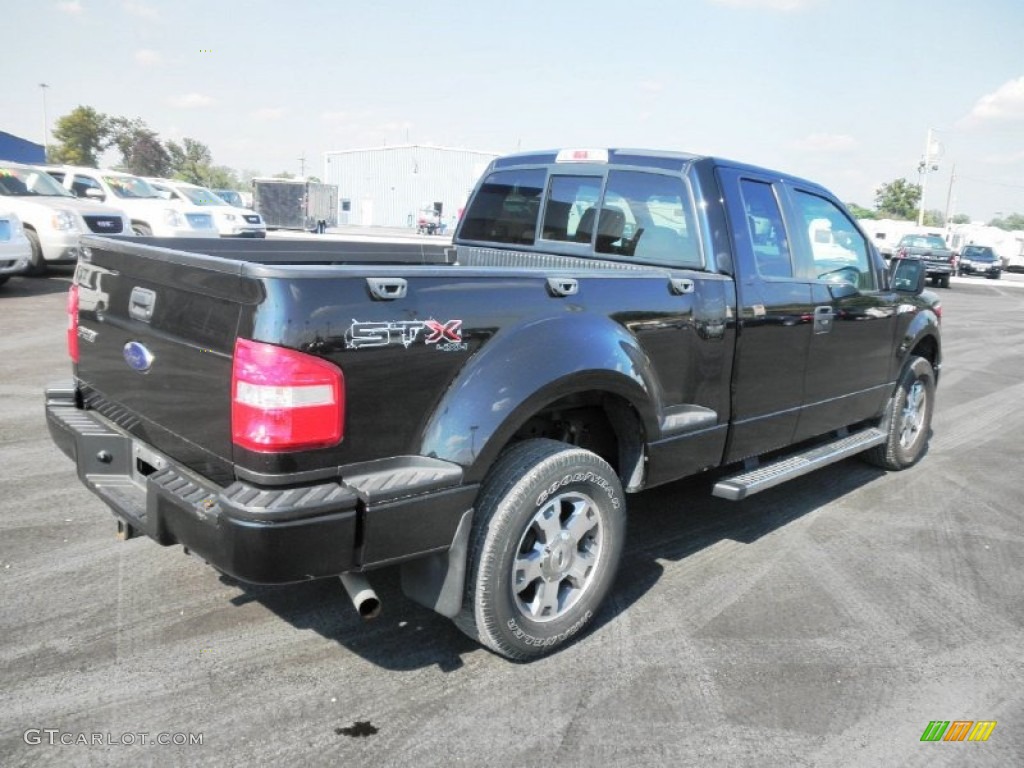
[
  {"x": 141, "y": 304},
  {"x": 563, "y": 286},
  {"x": 387, "y": 288}
]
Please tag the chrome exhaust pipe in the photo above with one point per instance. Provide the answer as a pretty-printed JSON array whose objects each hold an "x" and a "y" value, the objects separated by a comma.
[{"x": 361, "y": 594}]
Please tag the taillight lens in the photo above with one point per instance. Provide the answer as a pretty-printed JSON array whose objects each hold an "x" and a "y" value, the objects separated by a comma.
[
  {"x": 283, "y": 400},
  {"x": 73, "y": 323}
]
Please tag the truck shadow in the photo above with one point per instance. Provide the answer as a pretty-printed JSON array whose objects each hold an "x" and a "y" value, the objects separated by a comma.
[{"x": 671, "y": 523}]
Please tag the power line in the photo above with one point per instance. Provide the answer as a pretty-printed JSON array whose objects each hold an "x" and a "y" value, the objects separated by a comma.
[{"x": 989, "y": 182}]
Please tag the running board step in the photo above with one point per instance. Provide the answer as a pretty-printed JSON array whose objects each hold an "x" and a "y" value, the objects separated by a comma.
[{"x": 753, "y": 481}]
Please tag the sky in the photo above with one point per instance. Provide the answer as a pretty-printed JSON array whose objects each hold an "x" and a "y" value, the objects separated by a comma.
[{"x": 843, "y": 92}]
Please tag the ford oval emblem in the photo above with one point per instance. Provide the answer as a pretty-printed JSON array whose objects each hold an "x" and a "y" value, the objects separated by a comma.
[{"x": 138, "y": 357}]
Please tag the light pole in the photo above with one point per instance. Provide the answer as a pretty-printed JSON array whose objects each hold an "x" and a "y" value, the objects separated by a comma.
[{"x": 46, "y": 125}]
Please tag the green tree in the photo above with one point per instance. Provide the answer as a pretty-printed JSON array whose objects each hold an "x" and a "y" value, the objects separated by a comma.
[
  {"x": 189, "y": 161},
  {"x": 283, "y": 175},
  {"x": 141, "y": 150},
  {"x": 860, "y": 212},
  {"x": 221, "y": 177},
  {"x": 898, "y": 199},
  {"x": 82, "y": 135},
  {"x": 1011, "y": 222},
  {"x": 960, "y": 218},
  {"x": 934, "y": 218}
]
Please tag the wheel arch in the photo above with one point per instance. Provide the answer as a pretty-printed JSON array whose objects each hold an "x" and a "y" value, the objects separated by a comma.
[{"x": 536, "y": 373}]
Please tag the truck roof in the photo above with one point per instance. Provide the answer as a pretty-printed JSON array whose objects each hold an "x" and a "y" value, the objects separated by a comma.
[{"x": 668, "y": 160}]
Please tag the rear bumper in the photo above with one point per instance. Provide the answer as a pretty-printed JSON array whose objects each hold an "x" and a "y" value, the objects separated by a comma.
[
  {"x": 939, "y": 268},
  {"x": 409, "y": 507}
]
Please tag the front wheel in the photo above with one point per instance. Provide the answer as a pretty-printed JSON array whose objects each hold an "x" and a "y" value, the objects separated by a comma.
[
  {"x": 37, "y": 262},
  {"x": 908, "y": 418},
  {"x": 547, "y": 538},
  {"x": 141, "y": 230}
]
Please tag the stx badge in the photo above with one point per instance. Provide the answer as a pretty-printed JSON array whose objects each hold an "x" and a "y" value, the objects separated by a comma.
[{"x": 444, "y": 336}]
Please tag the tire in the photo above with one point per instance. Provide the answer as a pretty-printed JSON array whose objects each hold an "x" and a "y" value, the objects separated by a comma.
[
  {"x": 141, "y": 230},
  {"x": 908, "y": 418},
  {"x": 547, "y": 538},
  {"x": 944, "y": 281},
  {"x": 37, "y": 263}
]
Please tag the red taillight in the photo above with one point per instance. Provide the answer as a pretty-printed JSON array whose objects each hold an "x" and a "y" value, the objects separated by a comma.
[
  {"x": 283, "y": 400},
  {"x": 73, "y": 323},
  {"x": 938, "y": 311}
]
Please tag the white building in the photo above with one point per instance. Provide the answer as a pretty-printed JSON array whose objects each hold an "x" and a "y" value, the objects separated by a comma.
[{"x": 388, "y": 186}]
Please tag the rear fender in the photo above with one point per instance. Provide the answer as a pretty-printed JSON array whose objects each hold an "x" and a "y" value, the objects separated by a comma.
[{"x": 525, "y": 368}]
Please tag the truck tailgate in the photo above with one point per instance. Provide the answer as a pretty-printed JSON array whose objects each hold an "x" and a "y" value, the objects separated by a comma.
[{"x": 156, "y": 341}]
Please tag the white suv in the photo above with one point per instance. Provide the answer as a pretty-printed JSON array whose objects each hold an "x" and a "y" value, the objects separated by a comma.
[
  {"x": 15, "y": 250},
  {"x": 52, "y": 217},
  {"x": 231, "y": 221},
  {"x": 150, "y": 214}
]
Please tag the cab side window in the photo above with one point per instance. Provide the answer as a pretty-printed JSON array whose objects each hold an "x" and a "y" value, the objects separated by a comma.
[
  {"x": 506, "y": 208},
  {"x": 767, "y": 233},
  {"x": 838, "y": 251}
]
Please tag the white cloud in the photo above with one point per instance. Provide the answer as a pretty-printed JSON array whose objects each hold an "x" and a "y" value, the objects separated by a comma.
[
  {"x": 1005, "y": 103},
  {"x": 139, "y": 9},
  {"x": 268, "y": 113},
  {"x": 651, "y": 86},
  {"x": 190, "y": 101},
  {"x": 768, "y": 5},
  {"x": 827, "y": 142},
  {"x": 148, "y": 58},
  {"x": 72, "y": 6}
]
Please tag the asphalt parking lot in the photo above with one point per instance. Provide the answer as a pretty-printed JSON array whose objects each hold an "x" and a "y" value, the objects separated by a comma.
[{"x": 825, "y": 622}]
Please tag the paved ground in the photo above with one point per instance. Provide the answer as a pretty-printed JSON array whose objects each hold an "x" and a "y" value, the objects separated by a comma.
[{"x": 825, "y": 622}]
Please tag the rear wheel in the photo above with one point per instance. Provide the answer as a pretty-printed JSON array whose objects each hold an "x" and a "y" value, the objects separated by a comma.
[
  {"x": 141, "y": 230},
  {"x": 547, "y": 537},
  {"x": 37, "y": 263},
  {"x": 908, "y": 418}
]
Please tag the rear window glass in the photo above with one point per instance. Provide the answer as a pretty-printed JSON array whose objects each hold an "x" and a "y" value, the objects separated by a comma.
[
  {"x": 649, "y": 217},
  {"x": 506, "y": 208},
  {"x": 568, "y": 198}
]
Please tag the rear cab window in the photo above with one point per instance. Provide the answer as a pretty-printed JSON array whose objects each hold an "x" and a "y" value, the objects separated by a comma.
[
  {"x": 506, "y": 208},
  {"x": 639, "y": 216}
]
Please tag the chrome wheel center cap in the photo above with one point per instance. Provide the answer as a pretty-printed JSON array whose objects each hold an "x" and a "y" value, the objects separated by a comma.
[{"x": 558, "y": 557}]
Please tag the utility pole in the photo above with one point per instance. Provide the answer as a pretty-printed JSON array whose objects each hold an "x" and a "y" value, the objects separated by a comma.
[
  {"x": 302, "y": 166},
  {"x": 949, "y": 194},
  {"x": 46, "y": 125},
  {"x": 926, "y": 168}
]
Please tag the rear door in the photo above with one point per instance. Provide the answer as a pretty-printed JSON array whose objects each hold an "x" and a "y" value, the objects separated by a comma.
[{"x": 775, "y": 316}]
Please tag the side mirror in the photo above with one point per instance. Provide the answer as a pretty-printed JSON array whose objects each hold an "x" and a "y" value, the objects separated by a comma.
[
  {"x": 908, "y": 275},
  {"x": 95, "y": 194}
]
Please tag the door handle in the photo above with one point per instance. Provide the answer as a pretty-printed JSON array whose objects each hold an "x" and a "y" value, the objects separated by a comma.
[{"x": 823, "y": 317}]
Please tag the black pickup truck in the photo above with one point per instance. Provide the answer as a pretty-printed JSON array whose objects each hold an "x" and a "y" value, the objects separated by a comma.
[{"x": 604, "y": 321}]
